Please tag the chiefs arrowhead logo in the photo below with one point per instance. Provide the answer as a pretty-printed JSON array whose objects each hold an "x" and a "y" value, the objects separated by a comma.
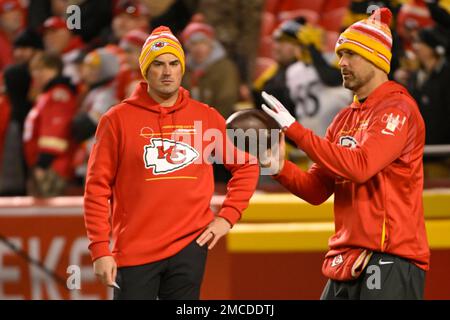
[
  {"x": 165, "y": 156},
  {"x": 158, "y": 45},
  {"x": 337, "y": 260},
  {"x": 348, "y": 142}
]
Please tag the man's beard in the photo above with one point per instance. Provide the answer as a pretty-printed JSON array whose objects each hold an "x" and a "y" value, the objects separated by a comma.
[
  {"x": 354, "y": 83},
  {"x": 168, "y": 91}
]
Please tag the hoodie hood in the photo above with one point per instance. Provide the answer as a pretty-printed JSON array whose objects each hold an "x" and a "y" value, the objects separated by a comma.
[
  {"x": 380, "y": 93},
  {"x": 60, "y": 80},
  {"x": 140, "y": 98}
]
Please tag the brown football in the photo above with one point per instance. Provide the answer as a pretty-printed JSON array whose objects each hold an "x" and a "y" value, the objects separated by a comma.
[{"x": 256, "y": 128}]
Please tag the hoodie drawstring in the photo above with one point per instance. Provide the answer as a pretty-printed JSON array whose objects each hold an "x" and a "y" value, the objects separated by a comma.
[{"x": 162, "y": 115}]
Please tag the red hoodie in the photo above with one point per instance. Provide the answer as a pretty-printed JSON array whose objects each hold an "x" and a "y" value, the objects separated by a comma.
[
  {"x": 371, "y": 159},
  {"x": 6, "y": 54},
  {"x": 5, "y": 113},
  {"x": 47, "y": 127},
  {"x": 159, "y": 191}
]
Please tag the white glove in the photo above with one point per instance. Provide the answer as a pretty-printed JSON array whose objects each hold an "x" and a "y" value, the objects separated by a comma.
[{"x": 277, "y": 111}]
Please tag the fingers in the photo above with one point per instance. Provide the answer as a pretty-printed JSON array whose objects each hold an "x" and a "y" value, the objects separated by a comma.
[
  {"x": 273, "y": 102},
  {"x": 206, "y": 236},
  {"x": 105, "y": 269},
  {"x": 218, "y": 228},
  {"x": 213, "y": 242},
  {"x": 114, "y": 273},
  {"x": 281, "y": 153},
  {"x": 104, "y": 278},
  {"x": 99, "y": 277},
  {"x": 283, "y": 149},
  {"x": 108, "y": 278},
  {"x": 269, "y": 111},
  {"x": 276, "y": 103},
  {"x": 265, "y": 96},
  {"x": 99, "y": 274},
  {"x": 265, "y": 159},
  {"x": 282, "y": 144},
  {"x": 268, "y": 98}
]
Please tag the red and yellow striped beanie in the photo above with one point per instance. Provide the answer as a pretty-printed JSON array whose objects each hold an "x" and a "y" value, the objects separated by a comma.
[
  {"x": 371, "y": 38},
  {"x": 160, "y": 41}
]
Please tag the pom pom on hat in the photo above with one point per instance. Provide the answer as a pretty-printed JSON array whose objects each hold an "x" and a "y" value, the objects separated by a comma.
[{"x": 384, "y": 15}]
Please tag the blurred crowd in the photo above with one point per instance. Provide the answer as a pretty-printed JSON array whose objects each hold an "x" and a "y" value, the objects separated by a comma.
[{"x": 57, "y": 78}]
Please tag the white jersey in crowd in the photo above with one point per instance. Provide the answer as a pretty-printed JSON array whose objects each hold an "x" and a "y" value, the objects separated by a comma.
[{"x": 316, "y": 104}]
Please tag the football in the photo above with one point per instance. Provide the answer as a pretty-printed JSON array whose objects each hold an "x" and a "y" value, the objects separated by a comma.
[{"x": 252, "y": 129}]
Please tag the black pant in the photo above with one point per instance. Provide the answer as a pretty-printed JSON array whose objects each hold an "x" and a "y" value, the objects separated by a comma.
[
  {"x": 176, "y": 278},
  {"x": 386, "y": 277}
]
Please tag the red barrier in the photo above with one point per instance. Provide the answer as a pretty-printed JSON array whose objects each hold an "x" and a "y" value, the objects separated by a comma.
[{"x": 52, "y": 232}]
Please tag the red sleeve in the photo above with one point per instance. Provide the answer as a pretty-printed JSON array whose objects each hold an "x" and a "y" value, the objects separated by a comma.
[
  {"x": 384, "y": 141},
  {"x": 100, "y": 175},
  {"x": 55, "y": 124},
  {"x": 6, "y": 54},
  {"x": 314, "y": 186},
  {"x": 245, "y": 175},
  {"x": 5, "y": 113}
]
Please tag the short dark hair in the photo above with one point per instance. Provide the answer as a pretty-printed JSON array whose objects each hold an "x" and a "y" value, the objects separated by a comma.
[{"x": 48, "y": 60}]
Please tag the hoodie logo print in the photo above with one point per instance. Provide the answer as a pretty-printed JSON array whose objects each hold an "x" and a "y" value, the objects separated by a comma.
[
  {"x": 158, "y": 45},
  {"x": 393, "y": 122},
  {"x": 165, "y": 156},
  {"x": 348, "y": 142}
]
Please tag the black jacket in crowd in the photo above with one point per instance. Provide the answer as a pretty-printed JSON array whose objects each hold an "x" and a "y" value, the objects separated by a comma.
[{"x": 433, "y": 97}]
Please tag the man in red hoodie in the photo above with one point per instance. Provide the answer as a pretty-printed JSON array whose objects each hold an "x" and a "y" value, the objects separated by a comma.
[
  {"x": 61, "y": 41},
  {"x": 371, "y": 159},
  {"x": 47, "y": 141},
  {"x": 159, "y": 184}
]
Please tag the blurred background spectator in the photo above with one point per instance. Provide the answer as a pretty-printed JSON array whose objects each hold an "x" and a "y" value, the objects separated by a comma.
[
  {"x": 306, "y": 79},
  {"x": 238, "y": 32},
  {"x": 236, "y": 50},
  {"x": 5, "y": 114},
  {"x": 128, "y": 15},
  {"x": 48, "y": 143},
  {"x": 210, "y": 76},
  {"x": 60, "y": 41},
  {"x": 285, "y": 52},
  {"x": 429, "y": 85},
  {"x": 173, "y": 13},
  {"x": 130, "y": 72},
  {"x": 19, "y": 98},
  {"x": 12, "y": 22},
  {"x": 96, "y": 15},
  {"x": 412, "y": 17},
  {"x": 327, "y": 14},
  {"x": 98, "y": 71},
  {"x": 440, "y": 12},
  {"x": 314, "y": 82}
]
